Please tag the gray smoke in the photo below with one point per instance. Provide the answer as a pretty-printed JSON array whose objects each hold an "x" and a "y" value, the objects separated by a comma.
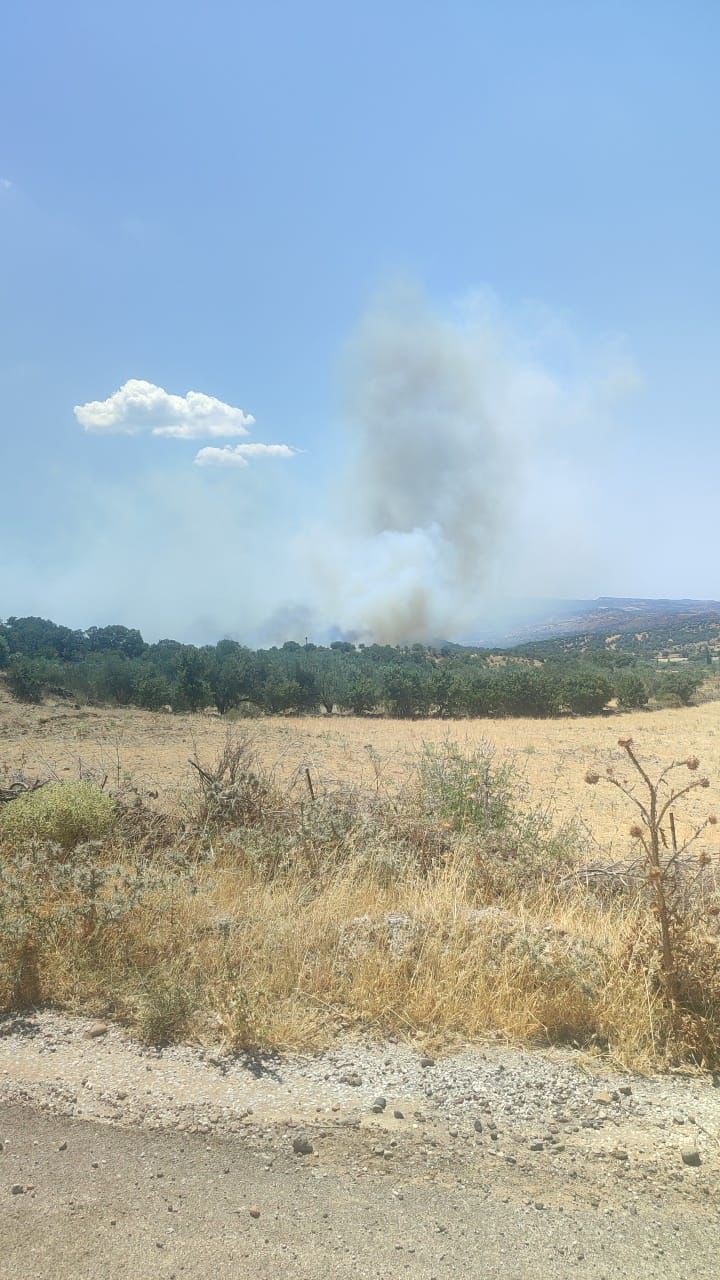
[
  {"x": 466, "y": 480},
  {"x": 422, "y": 504}
]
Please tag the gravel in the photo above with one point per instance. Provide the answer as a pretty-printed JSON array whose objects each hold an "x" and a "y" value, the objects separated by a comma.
[{"x": 526, "y": 1127}]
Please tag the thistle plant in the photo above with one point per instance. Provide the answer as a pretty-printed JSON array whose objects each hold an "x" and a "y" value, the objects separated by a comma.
[{"x": 663, "y": 859}]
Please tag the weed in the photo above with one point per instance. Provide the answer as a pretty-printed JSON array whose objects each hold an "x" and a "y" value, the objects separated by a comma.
[
  {"x": 683, "y": 949},
  {"x": 63, "y": 813}
]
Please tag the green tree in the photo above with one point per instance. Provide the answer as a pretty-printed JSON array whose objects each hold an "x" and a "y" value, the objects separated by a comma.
[
  {"x": 154, "y": 692},
  {"x": 586, "y": 692},
  {"x": 631, "y": 691},
  {"x": 359, "y": 695},
  {"x": 405, "y": 694},
  {"x": 192, "y": 691},
  {"x": 26, "y": 679},
  {"x": 681, "y": 685}
]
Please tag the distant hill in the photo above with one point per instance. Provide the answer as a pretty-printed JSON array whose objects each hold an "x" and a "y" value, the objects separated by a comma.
[{"x": 608, "y": 615}]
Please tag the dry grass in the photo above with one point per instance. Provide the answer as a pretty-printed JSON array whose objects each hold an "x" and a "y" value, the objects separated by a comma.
[
  {"x": 434, "y": 901},
  {"x": 152, "y": 750}
]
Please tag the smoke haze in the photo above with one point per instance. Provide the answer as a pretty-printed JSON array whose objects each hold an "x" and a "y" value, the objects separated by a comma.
[
  {"x": 455, "y": 428},
  {"x": 461, "y": 475}
]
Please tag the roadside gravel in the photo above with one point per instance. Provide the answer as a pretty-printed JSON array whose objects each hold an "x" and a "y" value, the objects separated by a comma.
[{"x": 493, "y": 1160}]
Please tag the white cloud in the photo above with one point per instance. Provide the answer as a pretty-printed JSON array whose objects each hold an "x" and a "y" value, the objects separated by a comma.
[
  {"x": 237, "y": 455},
  {"x": 141, "y": 406},
  {"x": 6, "y": 184}
]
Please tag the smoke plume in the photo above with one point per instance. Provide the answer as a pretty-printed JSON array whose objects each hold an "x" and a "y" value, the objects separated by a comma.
[{"x": 459, "y": 437}]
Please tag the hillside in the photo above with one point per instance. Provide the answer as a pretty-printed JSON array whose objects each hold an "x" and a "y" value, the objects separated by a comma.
[{"x": 606, "y": 615}]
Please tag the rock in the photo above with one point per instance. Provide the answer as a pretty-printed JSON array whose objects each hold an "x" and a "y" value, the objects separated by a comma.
[
  {"x": 691, "y": 1156},
  {"x": 625, "y": 1090},
  {"x": 619, "y": 1154},
  {"x": 379, "y": 1105},
  {"x": 426, "y": 1061},
  {"x": 62, "y": 1146},
  {"x": 399, "y": 1115},
  {"x": 302, "y": 1146},
  {"x": 254, "y": 1211},
  {"x": 477, "y": 1126},
  {"x": 95, "y": 1030},
  {"x": 17, "y": 1189},
  {"x": 352, "y": 1078},
  {"x": 537, "y": 1146},
  {"x": 604, "y": 1097}
]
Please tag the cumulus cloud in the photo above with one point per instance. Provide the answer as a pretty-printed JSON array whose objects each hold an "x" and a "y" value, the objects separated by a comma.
[
  {"x": 237, "y": 455},
  {"x": 140, "y": 406}
]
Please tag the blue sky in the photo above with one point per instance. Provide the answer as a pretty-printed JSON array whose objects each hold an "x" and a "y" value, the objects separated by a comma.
[{"x": 278, "y": 205}]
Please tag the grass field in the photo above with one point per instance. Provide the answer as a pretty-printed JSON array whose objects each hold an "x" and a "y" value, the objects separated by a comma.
[
  {"x": 152, "y": 750},
  {"x": 355, "y": 877}
]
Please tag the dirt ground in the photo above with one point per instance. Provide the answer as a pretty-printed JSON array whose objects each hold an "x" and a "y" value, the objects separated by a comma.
[
  {"x": 493, "y": 1163},
  {"x": 152, "y": 750}
]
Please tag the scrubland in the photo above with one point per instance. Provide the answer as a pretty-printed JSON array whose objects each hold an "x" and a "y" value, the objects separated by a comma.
[{"x": 271, "y": 885}]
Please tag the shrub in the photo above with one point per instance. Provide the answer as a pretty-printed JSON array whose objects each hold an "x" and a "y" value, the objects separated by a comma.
[
  {"x": 631, "y": 690},
  {"x": 65, "y": 813},
  {"x": 26, "y": 679}
]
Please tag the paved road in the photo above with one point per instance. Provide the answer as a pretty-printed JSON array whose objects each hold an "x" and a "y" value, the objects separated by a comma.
[{"x": 128, "y": 1202}]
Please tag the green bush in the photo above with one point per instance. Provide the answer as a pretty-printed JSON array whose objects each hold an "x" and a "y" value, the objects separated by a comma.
[
  {"x": 65, "y": 813},
  {"x": 26, "y": 679}
]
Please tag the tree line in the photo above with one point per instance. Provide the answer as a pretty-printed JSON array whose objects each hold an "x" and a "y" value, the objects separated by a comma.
[{"x": 114, "y": 665}]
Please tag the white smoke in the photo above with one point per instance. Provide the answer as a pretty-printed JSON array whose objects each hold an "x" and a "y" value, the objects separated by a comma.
[
  {"x": 480, "y": 459},
  {"x": 457, "y": 428}
]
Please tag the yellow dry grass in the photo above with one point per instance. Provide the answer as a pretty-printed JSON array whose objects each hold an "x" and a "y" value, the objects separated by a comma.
[
  {"x": 152, "y": 750},
  {"x": 263, "y": 958}
]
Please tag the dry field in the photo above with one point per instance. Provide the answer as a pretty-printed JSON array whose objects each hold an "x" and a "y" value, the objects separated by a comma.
[
  {"x": 152, "y": 751},
  {"x": 282, "y": 911}
]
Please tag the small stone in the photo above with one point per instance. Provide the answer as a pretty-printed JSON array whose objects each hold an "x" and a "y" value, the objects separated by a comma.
[
  {"x": 477, "y": 1126},
  {"x": 537, "y": 1146},
  {"x": 399, "y": 1115},
  {"x": 302, "y": 1146},
  {"x": 95, "y": 1030},
  {"x": 619, "y": 1154},
  {"x": 17, "y": 1189},
  {"x": 426, "y": 1061},
  {"x": 62, "y": 1146},
  {"x": 254, "y": 1211},
  {"x": 379, "y": 1105},
  {"x": 625, "y": 1090},
  {"x": 691, "y": 1156},
  {"x": 351, "y": 1078},
  {"x": 604, "y": 1097}
]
